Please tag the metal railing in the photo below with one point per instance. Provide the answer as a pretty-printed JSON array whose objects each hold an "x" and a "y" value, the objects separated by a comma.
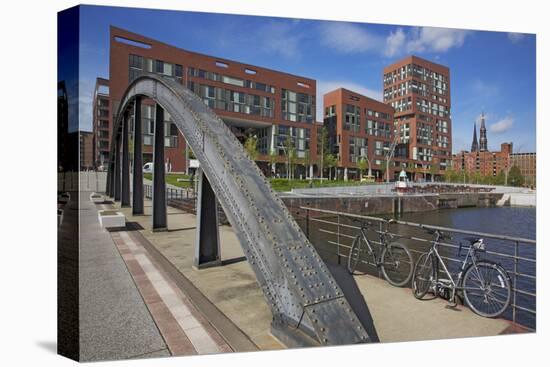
[
  {"x": 172, "y": 193},
  {"x": 517, "y": 255}
]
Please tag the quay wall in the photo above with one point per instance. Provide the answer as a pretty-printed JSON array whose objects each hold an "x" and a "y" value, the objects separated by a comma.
[{"x": 376, "y": 205}]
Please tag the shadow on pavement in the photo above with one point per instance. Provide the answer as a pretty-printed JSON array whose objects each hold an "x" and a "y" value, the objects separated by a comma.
[
  {"x": 355, "y": 298},
  {"x": 49, "y": 345}
]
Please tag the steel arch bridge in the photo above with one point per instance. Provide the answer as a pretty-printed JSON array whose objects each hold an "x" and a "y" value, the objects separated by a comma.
[{"x": 307, "y": 304}]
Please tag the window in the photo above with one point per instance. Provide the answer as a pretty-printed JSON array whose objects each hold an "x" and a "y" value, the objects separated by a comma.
[
  {"x": 178, "y": 71},
  {"x": 159, "y": 66},
  {"x": 298, "y": 107},
  {"x": 136, "y": 62},
  {"x": 352, "y": 118},
  {"x": 357, "y": 148}
]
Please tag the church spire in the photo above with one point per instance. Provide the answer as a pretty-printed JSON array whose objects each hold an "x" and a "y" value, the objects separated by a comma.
[
  {"x": 482, "y": 135},
  {"x": 475, "y": 147}
]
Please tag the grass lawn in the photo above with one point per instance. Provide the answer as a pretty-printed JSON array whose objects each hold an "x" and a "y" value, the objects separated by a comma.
[
  {"x": 172, "y": 179},
  {"x": 278, "y": 184},
  {"x": 283, "y": 184}
]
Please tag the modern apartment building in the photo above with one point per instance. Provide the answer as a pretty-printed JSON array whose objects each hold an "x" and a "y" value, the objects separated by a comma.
[
  {"x": 101, "y": 124},
  {"x": 419, "y": 91},
  {"x": 527, "y": 164},
  {"x": 273, "y": 106},
  {"x": 357, "y": 127}
]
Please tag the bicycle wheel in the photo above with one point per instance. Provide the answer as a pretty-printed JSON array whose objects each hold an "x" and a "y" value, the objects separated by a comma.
[
  {"x": 424, "y": 276},
  {"x": 354, "y": 256},
  {"x": 487, "y": 288},
  {"x": 397, "y": 264}
]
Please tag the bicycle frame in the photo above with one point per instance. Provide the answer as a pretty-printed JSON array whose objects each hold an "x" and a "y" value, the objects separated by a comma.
[
  {"x": 454, "y": 285},
  {"x": 381, "y": 235}
]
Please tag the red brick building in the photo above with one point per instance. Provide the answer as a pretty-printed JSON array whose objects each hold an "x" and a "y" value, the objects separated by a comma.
[
  {"x": 101, "y": 122},
  {"x": 358, "y": 127},
  {"x": 484, "y": 162},
  {"x": 419, "y": 91},
  {"x": 272, "y": 106},
  {"x": 527, "y": 164},
  {"x": 85, "y": 146}
]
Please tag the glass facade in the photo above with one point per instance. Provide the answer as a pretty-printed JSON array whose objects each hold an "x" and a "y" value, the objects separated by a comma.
[
  {"x": 297, "y": 107},
  {"x": 139, "y": 64},
  {"x": 148, "y": 127},
  {"x": 300, "y": 139},
  {"x": 357, "y": 148},
  {"x": 352, "y": 118},
  {"x": 233, "y": 101},
  {"x": 226, "y": 79}
]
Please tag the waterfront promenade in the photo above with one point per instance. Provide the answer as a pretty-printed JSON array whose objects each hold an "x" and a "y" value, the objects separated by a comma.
[{"x": 222, "y": 308}]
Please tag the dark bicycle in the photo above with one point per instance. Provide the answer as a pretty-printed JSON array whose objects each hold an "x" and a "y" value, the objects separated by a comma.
[
  {"x": 394, "y": 260},
  {"x": 485, "y": 285}
]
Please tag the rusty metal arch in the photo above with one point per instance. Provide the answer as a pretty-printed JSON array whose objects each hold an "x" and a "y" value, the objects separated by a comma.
[{"x": 308, "y": 306}]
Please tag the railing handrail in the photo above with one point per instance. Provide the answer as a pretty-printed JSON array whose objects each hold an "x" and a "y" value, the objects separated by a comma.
[{"x": 418, "y": 225}]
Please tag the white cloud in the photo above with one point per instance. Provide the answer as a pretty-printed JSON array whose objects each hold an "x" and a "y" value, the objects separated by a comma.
[
  {"x": 324, "y": 86},
  {"x": 502, "y": 125},
  {"x": 349, "y": 37},
  {"x": 280, "y": 38},
  {"x": 395, "y": 42},
  {"x": 353, "y": 38},
  {"x": 431, "y": 39},
  {"x": 516, "y": 37}
]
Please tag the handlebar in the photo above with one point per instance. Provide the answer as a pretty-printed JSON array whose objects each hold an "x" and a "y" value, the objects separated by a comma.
[
  {"x": 442, "y": 235},
  {"x": 368, "y": 222}
]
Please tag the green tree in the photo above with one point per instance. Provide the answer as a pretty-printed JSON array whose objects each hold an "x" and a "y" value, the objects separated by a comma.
[
  {"x": 251, "y": 147},
  {"x": 500, "y": 178},
  {"x": 330, "y": 162},
  {"x": 362, "y": 165},
  {"x": 290, "y": 153},
  {"x": 514, "y": 177},
  {"x": 434, "y": 170},
  {"x": 307, "y": 162},
  {"x": 322, "y": 150}
]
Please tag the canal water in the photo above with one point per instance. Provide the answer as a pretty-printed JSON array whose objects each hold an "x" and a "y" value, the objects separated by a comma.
[{"x": 328, "y": 231}]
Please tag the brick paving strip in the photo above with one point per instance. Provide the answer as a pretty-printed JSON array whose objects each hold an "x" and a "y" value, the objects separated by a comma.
[{"x": 185, "y": 330}]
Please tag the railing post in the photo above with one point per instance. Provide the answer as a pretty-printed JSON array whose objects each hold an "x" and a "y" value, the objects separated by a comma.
[
  {"x": 307, "y": 223},
  {"x": 338, "y": 239},
  {"x": 516, "y": 255}
]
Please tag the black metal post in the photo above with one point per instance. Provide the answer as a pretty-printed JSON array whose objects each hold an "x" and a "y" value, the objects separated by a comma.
[
  {"x": 159, "y": 183},
  {"x": 108, "y": 180},
  {"x": 125, "y": 197},
  {"x": 117, "y": 169},
  {"x": 207, "y": 239},
  {"x": 137, "y": 198},
  {"x": 307, "y": 223}
]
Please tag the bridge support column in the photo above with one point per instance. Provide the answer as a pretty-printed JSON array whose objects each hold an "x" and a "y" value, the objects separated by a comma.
[
  {"x": 117, "y": 170},
  {"x": 207, "y": 239},
  {"x": 137, "y": 198},
  {"x": 125, "y": 197},
  {"x": 159, "y": 181}
]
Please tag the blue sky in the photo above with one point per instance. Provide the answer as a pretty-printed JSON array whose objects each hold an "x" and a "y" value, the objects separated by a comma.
[{"x": 493, "y": 72}]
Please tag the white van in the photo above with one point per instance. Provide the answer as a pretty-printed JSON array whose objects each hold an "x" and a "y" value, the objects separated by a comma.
[{"x": 148, "y": 167}]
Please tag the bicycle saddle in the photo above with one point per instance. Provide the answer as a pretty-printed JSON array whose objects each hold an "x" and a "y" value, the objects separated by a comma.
[{"x": 472, "y": 240}]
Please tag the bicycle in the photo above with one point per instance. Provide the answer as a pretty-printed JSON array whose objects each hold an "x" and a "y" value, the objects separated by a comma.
[
  {"x": 485, "y": 285},
  {"x": 394, "y": 260}
]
